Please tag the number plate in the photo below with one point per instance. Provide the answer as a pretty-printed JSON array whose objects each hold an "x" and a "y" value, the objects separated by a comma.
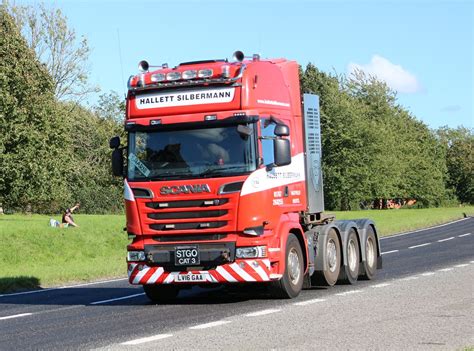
[{"x": 187, "y": 256}]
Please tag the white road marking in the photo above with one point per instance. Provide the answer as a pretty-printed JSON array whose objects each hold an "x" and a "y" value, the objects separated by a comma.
[
  {"x": 117, "y": 299},
  {"x": 350, "y": 292},
  {"x": 461, "y": 265},
  {"x": 409, "y": 278},
  {"x": 388, "y": 252},
  {"x": 16, "y": 316},
  {"x": 308, "y": 302},
  {"x": 381, "y": 285},
  {"x": 209, "y": 325},
  {"x": 263, "y": 312},
  {"x": 148, "y": 339},
  {"x": 462, "y": 235},
  {"x": 421, "y": 245},
  {"x": 472, "y": 261},
  {"x": 445, "y": 270},
  {"x": 427, "y": 274},
  {"x": 450, "y": 238},
  {"x": 63, "y": 287},
  {"x": 423, "y": 229}
]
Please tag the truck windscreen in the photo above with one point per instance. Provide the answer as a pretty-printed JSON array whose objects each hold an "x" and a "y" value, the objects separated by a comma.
[{"x": 192, "y": 153}]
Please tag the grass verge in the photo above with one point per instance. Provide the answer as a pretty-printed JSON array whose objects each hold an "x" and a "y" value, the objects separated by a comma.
[{"x": 33, "y": 255}]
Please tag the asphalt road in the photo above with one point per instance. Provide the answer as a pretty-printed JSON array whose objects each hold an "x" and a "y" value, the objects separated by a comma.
[{"x": 422, "y": 298}]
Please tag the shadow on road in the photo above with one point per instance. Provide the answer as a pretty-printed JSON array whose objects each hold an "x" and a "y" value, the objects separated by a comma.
[{"x": 10, "y": 284}]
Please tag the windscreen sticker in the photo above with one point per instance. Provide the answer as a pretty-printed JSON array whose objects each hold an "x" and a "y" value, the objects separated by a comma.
[
  {"x": 135, "y": 161},
  {"x": 184, "y": 98}
]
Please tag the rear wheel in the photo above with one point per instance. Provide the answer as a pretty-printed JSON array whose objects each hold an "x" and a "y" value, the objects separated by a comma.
[
  {"x": 161, "y": 293},
  {"x": 328, "y": 277},
  {"x": 370, "y": 263},
  {"x": 290, "y": 285},
  {"x": 350, "y": 271}
]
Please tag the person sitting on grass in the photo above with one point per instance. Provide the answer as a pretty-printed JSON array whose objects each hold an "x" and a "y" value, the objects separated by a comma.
[{"x": 67, "y": 219}]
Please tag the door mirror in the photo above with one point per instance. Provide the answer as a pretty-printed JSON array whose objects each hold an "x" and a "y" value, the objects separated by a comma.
[
  {"x": 117, "y": 162},
  {"x": 281, "y": 152},
  {"x": 282, "y": 130},
  {"x": 114, "y": 142}
]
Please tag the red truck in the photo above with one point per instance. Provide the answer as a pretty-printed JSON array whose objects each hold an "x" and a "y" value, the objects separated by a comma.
[{"x": 223, "y": 182}]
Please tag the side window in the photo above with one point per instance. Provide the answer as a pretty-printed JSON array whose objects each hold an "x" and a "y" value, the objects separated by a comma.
[{"x": 267, "y": 144}]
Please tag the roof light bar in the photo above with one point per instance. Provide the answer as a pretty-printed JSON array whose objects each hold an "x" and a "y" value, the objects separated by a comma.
[{"x": 205, "y": 73}]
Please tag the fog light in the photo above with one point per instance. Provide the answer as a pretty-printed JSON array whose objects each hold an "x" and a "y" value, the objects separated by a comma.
[
  {"x": 251, "y": 252},
  {"x": 135, "y": 256}
]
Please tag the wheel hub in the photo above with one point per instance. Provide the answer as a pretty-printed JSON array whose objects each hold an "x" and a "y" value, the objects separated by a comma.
[
  {"x": 294, "y": 266},
  {"x": 352, "y": 255},
  {"x": 331, "y": 255}
]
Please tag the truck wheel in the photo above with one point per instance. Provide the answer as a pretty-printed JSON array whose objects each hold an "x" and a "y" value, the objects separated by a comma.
[
  {"x": 329, "y": 276},
  {"x": 290, "y": 285},
  {"x": 350, "y": 271},
  {"x": 370, "y": 263},
  {"x": 161, "y": 293}
]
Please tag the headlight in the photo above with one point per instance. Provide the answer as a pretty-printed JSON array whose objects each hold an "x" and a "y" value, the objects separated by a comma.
[
  {"x": 135, "y": 256},
  {"x": 251, "y": 252}
]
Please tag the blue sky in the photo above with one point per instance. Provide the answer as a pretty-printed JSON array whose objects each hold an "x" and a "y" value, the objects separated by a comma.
[{"x": 423, "y": 49}]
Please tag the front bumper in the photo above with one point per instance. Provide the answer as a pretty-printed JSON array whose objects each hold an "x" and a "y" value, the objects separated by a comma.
[{"x": 241, "y": 271}]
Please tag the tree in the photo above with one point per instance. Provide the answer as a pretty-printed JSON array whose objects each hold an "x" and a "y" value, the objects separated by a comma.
[
  {"x": 459, "y": 147},
  {"x": 111, "y": 107},
  {"x": 32, "y": 137},
  {"x": 57, "y": 46}
]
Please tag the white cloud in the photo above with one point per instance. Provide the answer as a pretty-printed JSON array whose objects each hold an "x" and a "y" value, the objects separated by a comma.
[{"x": 395, "y": 76}]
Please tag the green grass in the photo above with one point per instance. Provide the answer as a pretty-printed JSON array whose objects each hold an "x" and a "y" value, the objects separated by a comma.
[
  {"x": 34, "y": 255},
  {"x": 393, "y": 221}
]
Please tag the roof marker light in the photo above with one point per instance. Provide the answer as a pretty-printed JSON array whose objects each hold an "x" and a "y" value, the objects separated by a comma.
[
  {"x": 210, "y": 117},
  {"x": 226, "y": 71}
]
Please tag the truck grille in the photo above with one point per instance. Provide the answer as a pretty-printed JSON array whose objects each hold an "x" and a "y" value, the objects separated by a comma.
[{"x": 190, "y": 216}]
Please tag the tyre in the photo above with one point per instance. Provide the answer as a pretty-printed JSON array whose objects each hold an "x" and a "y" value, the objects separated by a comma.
[
  {"x": 290, "y": 285},
  {"x": 329, "y": 276},
  {"x": 370, "y": 264},
  {"x": 161, "y": 293},
  {"x": 350, "y": 272}
]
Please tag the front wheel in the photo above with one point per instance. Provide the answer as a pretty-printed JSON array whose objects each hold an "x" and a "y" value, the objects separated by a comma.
[
  {"x": 290, "y": 285},
  {"x": 161, "y": 293}
]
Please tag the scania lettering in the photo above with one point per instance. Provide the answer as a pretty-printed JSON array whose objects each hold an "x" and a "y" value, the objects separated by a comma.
[{"x": 223, "y": 182}]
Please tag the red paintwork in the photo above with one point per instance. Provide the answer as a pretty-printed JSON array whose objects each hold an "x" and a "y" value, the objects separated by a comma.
[{"x": 265, "y": 88}]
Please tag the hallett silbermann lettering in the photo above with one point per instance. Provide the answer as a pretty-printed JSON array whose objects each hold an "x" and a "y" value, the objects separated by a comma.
[{"x": 185, "y": 189}]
